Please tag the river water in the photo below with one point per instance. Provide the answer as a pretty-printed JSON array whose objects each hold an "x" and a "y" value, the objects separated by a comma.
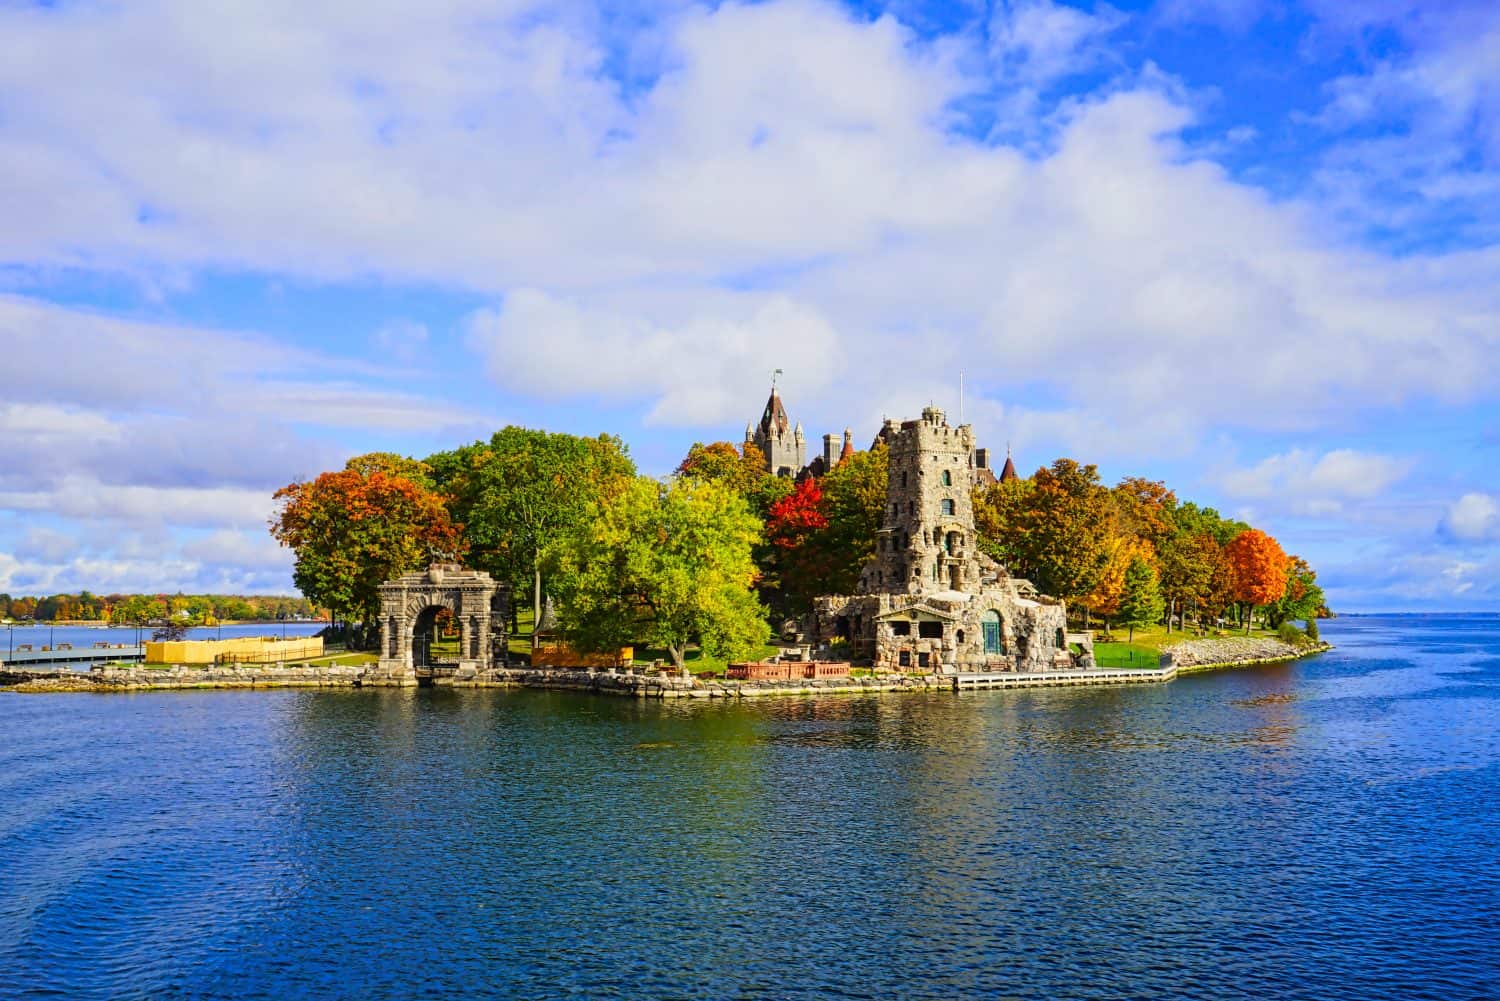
[{"x": 1321, "y": 829}]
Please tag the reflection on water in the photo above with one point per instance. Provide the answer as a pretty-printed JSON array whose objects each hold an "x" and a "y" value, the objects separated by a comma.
[{"x": 1308, "y": 830}]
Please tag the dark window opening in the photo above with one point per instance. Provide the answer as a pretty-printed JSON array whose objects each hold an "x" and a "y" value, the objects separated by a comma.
[
  {"x": 924, "y": 660},
  {"x": 947, "y": 478},
  {"x": 904, "y": 658},
  {"x": 900, "y": 627},
  {"x": 960, "y": 637},
  {"x": 948, "y": 508},
  {"x": 930, "y": 630}
]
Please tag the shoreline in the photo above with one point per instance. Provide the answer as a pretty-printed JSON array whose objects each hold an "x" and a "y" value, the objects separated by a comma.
[{"x": 615, "y": 683}]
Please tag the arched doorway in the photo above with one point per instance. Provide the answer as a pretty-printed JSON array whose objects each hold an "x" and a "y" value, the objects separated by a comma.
[{"x": 994, "y": 638}]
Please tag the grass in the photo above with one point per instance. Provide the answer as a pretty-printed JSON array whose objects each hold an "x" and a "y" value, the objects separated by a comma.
[{"x": 1145, "y": 649}]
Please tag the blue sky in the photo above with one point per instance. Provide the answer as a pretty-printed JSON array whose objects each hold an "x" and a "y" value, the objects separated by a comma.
[{"x": 1248, "y": 247}]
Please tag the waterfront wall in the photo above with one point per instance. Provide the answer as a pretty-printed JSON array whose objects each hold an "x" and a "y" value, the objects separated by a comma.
[{"x": 262, "y": 649}]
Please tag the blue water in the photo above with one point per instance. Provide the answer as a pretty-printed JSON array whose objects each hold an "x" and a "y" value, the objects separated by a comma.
[
  {"x": 84, "y": 637},
  {"x": 1315, "y": 830}
]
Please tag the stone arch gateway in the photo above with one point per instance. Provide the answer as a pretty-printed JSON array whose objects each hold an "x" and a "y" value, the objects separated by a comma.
[{"x": 409, "y": 605}]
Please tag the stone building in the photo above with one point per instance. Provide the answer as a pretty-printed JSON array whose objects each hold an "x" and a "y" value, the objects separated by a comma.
[
  {"x": 784, "y": 447},
  {"x": 930, "y": 600}
]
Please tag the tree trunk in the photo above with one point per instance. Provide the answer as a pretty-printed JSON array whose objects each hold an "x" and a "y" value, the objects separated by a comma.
[
  {"x": 536, "y": 599},
  {"x": 679, "y": 656}
]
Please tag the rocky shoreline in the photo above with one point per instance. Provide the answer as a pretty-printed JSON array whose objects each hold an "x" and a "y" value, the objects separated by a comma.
[
  {"x": 1184, "y": 658},
  {"x": 1192, "y": 656}
]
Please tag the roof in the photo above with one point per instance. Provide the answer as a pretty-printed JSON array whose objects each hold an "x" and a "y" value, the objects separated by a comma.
[
  {"x": 774, "y": 420},
  {"x": 1008, "y": 473},
  {"x": 848, "y": 449}
]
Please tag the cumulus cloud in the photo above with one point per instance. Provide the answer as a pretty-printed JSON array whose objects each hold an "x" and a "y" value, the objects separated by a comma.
[
  {"x": 699, "y": 372},
  {"x": 1474, "y": 517},
  {"x": 1306, "y": 483}
]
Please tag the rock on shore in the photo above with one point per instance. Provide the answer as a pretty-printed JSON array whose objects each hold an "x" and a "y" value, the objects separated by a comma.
[{"x": 1236, "y": 650}]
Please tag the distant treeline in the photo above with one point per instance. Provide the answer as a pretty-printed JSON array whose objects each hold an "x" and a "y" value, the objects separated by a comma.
[{"x": 141, "y": 608}]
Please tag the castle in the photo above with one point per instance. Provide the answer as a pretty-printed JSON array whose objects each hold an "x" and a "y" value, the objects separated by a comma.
[
  {"x": 784, "y": 446},
  {"x": 930, "y": 600}
]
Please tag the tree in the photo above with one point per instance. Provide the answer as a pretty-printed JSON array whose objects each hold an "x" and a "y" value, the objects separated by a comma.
[
  {"x": 1146, "y": 510},
  {"x": 1259, "y": 570},
  {"x": 668, "y": 565},
  {"x": 1060, "y": 537},
  {"x": 1107, "y": 594},
  {"x": 521, "y": 489},
  {"x": 1141, "y": 604},
  {"x": 355, "y": 529},
  {"x": 1303, "y": 597},
  {"x": 1188, "y": 562},
  {"x": 794, "y": 563},
  {"x": 822, "y": 534},
  {"x": 998, "y": 511}
]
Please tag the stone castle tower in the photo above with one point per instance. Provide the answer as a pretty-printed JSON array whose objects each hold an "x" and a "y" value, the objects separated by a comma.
[
  {"x": 930, "y": 600},
  {"x": 784, "y": 447},
  {"x": 927, "y": 541}
]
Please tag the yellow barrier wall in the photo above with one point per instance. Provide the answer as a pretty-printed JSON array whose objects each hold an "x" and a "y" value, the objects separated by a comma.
[{"x": 252, "y": 649}]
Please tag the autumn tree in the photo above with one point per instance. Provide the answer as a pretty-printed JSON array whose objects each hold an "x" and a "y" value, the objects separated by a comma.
[
  {"x": 1059, "y": 538},
  {"x": 1104, "y": 600},
  {"x": 794, "y": 563},
  {"x": 1259, "y": 570},
  {"x": 666, "y": 565},
  {"x": 354, "y": 529},
  {"x": 1146, "y": 510},
  {"x": 1141, "y": 602},
  {"x": 516, "y": 492}
]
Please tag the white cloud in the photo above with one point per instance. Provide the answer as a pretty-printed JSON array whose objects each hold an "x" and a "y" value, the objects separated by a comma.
[
  {"x": 700, "y": 371},
  {"x": 1306, "y": 483},
  {"x": 1474, "y": 517}
]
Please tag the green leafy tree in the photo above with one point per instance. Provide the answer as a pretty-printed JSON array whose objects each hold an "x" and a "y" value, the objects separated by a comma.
[
  {"x": 998, "y": 510},
  {"x": 1141, "y": 602},
  {"x": 855, "y": 492},
  {"x": 522, "y": 489},
  {"x": 1302, "y": 599},
  {"x": 664, "y": 565},
  {"x": 1188, "y": 562},
  {"x": 354, "y": 529}
]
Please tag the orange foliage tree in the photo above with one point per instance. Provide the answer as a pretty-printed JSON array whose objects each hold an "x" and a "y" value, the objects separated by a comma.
[
  {"x": 1259, "y": 569},
  {"x": 354, "y": 529}
]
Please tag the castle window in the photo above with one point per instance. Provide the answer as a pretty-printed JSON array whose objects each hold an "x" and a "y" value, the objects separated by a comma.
[
  {"x": 952, "y": 542},
  {"x": 903, "y": 658},
  {"x": 924, "y": 660},
  {"x": 900, "y": 627},
  {"x": 947, "y": 478},
  {"x": 903, "y": 479},
  {"x": 960, "y": 637},
  {"x": 930, "y": 630},
  {"x": 948, "y": 508}
]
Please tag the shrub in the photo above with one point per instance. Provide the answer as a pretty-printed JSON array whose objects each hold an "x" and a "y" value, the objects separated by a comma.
[
  {"x": 1290, "y": 634},
  {"x": 1312, "y": 630}
]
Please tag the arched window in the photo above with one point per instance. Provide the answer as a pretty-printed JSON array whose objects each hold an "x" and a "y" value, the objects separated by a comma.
[
  {"x": 960, "y": 637},
  {"x": 952, "y": 542},
  {"x": 947, "y": 478},
  {"x": 948, "y": 508},
  {"x": 1062, "y": 640}
]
